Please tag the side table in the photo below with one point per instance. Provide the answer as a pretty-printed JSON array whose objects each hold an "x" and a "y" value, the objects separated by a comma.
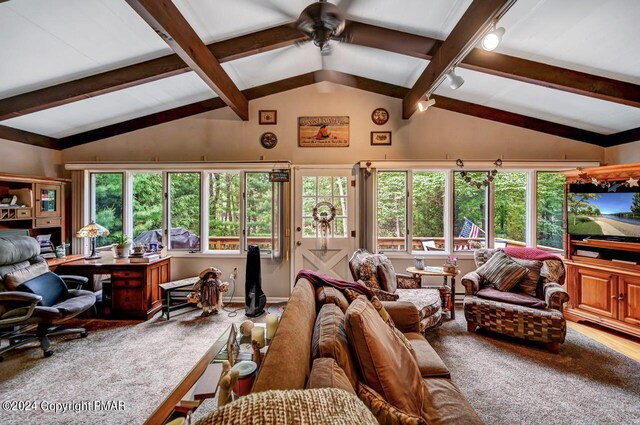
[{"x": 448, "y": 277}]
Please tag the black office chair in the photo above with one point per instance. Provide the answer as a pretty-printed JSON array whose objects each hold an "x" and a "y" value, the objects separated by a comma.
[{"x": 32, "y": 296}]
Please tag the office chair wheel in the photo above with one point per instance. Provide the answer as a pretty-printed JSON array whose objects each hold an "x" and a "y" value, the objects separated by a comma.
[
  {"x": 48, "y": 353},
  {"x": 84, "y": 334}
]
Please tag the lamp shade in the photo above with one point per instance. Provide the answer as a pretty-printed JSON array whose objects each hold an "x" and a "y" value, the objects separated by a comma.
[{"x": 92, "y": 230}]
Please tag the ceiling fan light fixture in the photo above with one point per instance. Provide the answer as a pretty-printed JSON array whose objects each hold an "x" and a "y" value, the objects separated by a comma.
[
  {"x": 491, "y": 40},
  {"x": 425, "y": 104},
  {"x": 455, "y": 81}
]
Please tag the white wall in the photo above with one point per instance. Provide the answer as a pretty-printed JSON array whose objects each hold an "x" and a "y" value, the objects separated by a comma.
[
  {"x": 623, "y": 154},
  {"x": 220, "y": 136},
  {"x": 20, "y": 158}
]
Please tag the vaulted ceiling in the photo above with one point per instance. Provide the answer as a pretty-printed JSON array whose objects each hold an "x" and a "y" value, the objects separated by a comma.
[{"x": 77, "y": 71}]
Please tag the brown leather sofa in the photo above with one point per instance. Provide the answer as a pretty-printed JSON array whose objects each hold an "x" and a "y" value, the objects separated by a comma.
[{"x": 289, "y": 359}]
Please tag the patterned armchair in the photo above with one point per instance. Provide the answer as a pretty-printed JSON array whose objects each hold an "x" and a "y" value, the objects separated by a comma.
[
  {"x": 544, "y": 323},
  {"x": 377, "y": 272}
]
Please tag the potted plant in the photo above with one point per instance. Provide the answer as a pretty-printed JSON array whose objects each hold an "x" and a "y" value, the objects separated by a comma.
[{"x": 121, "y": 246}]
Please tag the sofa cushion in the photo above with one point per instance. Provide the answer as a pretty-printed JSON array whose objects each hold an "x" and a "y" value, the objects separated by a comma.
[
  {"x": 502, "y": 271},
  {"x": 369, "y": 272},
  {"x": 331, "y": 295},
  {"x": 330, "y": 340},
  {"x": 387, "y": 275},
  {"x": 429, "y": 363},
  {"x": 529, "y": 283},
  {"x": 518, "y": 298},
  {"x": 325, "y": 373},
  {"x": 384, "y": 362},
  {"x": 385, "y": 413},
  {"x": 17, "y": 277},
  {"x": 444, "y": 404}
]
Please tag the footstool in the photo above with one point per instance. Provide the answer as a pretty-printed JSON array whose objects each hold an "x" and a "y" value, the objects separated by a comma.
[{"x": 428, "y": 303}]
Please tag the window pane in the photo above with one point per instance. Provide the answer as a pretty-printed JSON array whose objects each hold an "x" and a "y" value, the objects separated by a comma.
[
  {"x": 511, "y": 213},
  {"x": 259, "y": 210},
  {"x": 550, "y": 189},
  {"x": 224, "y": 211},
  {"x": 184, "y": 194},
  {"x": 469, "y": 212},
  {"x": 107, "y": 191},
  {"x": 147, "y": 205},
  {"x": 428, "y": 211},
  {"x": 330, "y": 189},
  {"x": 392, "y": 211}
]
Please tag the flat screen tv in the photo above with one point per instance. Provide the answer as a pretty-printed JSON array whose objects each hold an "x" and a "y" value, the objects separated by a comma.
[{"x": 593, "y": 211}]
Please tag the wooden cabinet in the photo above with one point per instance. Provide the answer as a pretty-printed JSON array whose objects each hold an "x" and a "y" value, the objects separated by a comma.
[
  {"x": 629, "y": 299},
  {"x": 48, "y": 202},
  {"x": 596, "y": 291}
]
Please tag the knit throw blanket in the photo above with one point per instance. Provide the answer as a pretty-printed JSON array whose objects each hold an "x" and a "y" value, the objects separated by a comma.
[
  {"x": 319, "y": 279},
  {"x": 529, "y": 254}
]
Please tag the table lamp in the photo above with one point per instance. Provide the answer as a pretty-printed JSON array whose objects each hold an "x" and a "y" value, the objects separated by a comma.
[{"x": 91, "y": 231}]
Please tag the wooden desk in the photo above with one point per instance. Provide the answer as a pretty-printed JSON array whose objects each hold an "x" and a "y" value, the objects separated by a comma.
[
  {"x": 134, "y": 289},
  {"x": 54, "y": 263},
  {"x": 446, "y": 276}
]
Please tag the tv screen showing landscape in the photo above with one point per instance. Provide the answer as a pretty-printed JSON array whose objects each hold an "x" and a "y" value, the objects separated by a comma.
[{"x": 610, "y": 214}]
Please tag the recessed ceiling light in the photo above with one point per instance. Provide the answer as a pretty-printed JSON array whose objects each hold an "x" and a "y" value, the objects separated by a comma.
[
  {"x": 455, "y": 81},
  {"x": 424, "y": 104},
  {"x": 492, "y": 39}
]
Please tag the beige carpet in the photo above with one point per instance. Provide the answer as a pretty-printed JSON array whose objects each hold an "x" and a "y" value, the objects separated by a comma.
[
  {"x": 510, "y": 381},
  {"x": 138, "y": 363}
]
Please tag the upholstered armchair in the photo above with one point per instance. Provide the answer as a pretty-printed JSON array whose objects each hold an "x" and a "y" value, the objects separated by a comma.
[
  {"x": 519, "y": 314},
  {"x": 377, "y": 272}
]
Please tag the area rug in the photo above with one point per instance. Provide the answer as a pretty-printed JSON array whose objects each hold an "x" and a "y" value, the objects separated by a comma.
[
  {"x": 138, "y": 363},
  {"x": 510, "y": 381}
]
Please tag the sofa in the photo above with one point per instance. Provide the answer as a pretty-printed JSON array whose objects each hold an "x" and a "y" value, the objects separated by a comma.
[
  {"x": 298, "y": 358},
  {"x": 533, "y": 312}
]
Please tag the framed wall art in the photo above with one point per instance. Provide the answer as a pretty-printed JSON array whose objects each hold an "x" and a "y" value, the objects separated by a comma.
[
  {"x": 380, "y": 138},
  {"x": 380, "y": 116},
  {"x": 268, "y": 117},
  {"x": 316, "y": 132}
]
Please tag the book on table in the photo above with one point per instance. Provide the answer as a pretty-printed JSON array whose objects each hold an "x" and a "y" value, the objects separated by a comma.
[{"x": 144, "y": 258}]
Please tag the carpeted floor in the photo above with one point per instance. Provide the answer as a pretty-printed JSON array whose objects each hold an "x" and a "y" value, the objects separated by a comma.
[
  {"x": 139, "y": 363},
  {"x": 509, "y": 381}
]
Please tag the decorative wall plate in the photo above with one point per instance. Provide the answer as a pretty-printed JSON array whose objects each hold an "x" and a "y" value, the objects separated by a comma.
[
  {"x": 380, "y": 116},
  {"x": 268, "y": 140}
]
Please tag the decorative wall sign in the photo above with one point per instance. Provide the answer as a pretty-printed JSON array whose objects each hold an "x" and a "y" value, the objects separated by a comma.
[
  {"x": 278, "y": 176},
  {"x": 323, "y": 132},
  {"x": 381, "y": 138},
  {"x": 380, "y": 116},
  {"x": 268, "y": 140},
  {"x": 268, "y": 117}
]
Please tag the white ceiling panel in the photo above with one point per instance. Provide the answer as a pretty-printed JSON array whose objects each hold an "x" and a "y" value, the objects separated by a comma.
[
  {"x": 544, "y": 103},
  {"x": 601, "y": 37},
  {"x": 53, "y": 41},
  {"x": 115, "y": 107}
]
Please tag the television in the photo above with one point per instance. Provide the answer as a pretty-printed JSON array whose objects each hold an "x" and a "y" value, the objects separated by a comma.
[{"x": 595, "y": 212}]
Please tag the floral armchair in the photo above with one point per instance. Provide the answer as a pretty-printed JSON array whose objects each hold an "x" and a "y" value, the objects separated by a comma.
[
  {"x": 377, "y": 273},
  {"x": 536, "y": 316}
]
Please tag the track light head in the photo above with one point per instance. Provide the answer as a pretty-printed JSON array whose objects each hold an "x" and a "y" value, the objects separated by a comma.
[
  {"x": 492, "y": 39},
  {"x": 455, "y": 81},
  {"x": 424, "y": 104}
]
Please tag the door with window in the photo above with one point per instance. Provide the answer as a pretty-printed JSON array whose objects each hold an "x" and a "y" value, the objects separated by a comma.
[{"x": 324, "y": 221}]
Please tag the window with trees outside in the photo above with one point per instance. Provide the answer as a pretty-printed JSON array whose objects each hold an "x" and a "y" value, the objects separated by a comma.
[
  {"x": 392, "y": 211},
  {"x": 147, "y": 205},
  {"x": 510, "y": 222},
  {"x": 107, "y": 193},
  {"x": 184, "y": 211},
  {"x": 224, "y": 211},
  {"x": 550, "y": 200},
  {"x": 470, "y": 212},
  {"x": 428, "y": 190},
  {"x": 259, "y": 211}
]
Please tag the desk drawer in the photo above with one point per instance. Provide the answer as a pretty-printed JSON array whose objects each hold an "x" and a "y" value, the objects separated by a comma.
[
  {"x": 23, "y": 213},
  {"x": 124, "y": 300},
  {"x": 48, "y": 222},
  {"x": 125, "y": 283},
  {"x": 127, "y": 274}
]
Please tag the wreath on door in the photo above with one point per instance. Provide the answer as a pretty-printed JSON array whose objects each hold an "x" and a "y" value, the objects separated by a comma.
[{"x": 324, "y": 213}]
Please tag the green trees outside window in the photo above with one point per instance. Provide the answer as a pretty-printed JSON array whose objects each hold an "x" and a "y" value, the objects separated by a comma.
[
  {"x": 550, "y": 193},
  {"x": 224, "y": 211},
  {"x": 184, "y": 207},
  {"x": 510, "y": 208},
  {"x": 392, "y": 210},
  {"x": 107, "y": 211},
  {"x": 470, "y": 203},
  {"x": 428, "y": 210},
  {"x": 147, "y": 202},
  {"x": 259, "y": 194}
]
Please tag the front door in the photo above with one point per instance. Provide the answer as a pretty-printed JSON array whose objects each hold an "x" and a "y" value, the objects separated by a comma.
[{"x": 324, "y": 221}]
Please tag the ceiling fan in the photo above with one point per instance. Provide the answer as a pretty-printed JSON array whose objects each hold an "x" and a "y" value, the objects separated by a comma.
[{"x": 322, "y": 22}]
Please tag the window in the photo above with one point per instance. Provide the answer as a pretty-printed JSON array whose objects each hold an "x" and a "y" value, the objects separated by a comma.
[
  {"x": 428, "y": 210},
  {"x": 107, "y": 190},
  {"x": 510, "y": 222},
  {"x": 392, "y": 211},
  {"x": 470, "y": 212},
  {"x": 224, "y": 211},
  {"x": 259, "y": 211},
  {"x": 332, "y": 189},
  {"x": 550, "y": 194},
  {"x": 184, "y": 211},
  {"x": 147, "y": 206}
]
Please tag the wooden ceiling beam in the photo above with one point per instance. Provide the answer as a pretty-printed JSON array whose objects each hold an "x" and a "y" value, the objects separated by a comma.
[
  {"x": 29, "y": 138},
  {"x": 622, "y": 137},
  {"x": 475, "y": 22},
  {"x": 167, "y": 21}
]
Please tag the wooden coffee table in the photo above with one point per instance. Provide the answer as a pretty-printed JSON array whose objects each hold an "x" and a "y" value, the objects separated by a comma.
[{"x": 448, "y": 277}]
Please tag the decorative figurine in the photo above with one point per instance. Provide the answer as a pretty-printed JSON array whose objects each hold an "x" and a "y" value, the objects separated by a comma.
[
  {"x": 227, "y": 381},
  {"x": 207, "y": 291},
  {"x": 245, "y": 328},
  {"x": 256, "y": 357}
]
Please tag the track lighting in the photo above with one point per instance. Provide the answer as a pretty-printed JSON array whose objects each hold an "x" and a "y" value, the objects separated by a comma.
[
  {"x": 424, "y": 104},
  {"x": 455, "y": 81},
  {"x": 492, "y": 39}
]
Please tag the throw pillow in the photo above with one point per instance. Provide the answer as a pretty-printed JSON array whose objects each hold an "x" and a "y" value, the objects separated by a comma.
[
  {"x": 325, "y": 373},
  {"x": 369, "y": 272},
  {"x": 384, "y": 362},
  {"x": 330, "y": 340},
  {"x": 384, "y": 412},
  {"x": 387, "y": 275},
  {"x": 501, "y": 271},
  {"x": 552, "y": 271},
  {"x": 529, "y": 283},
  {"x": 330, "y": 295},
  {"x": 15, "y": 278}
]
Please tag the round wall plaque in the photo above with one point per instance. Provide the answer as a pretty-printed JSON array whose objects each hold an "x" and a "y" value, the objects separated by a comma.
[
  {"x": 268, "y": 140},
  {"x": 380, "y": 116}
]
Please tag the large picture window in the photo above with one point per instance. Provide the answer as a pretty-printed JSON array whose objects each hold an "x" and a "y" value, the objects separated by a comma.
[
  {"x": 550, "y": 195},
  {"x": 428, "y": 195},
  {"x": 107, "y": 205},
  {"x": 470, "y": 212},
  {"x": 147, "y": 206},
  {"x": 510, "y": 222},
  {"x": 392, "y": 211},
  {"x": 184, "y": 211},
  {"x": 259, "y": 211},
  {"x": 224, "y": 211}
]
